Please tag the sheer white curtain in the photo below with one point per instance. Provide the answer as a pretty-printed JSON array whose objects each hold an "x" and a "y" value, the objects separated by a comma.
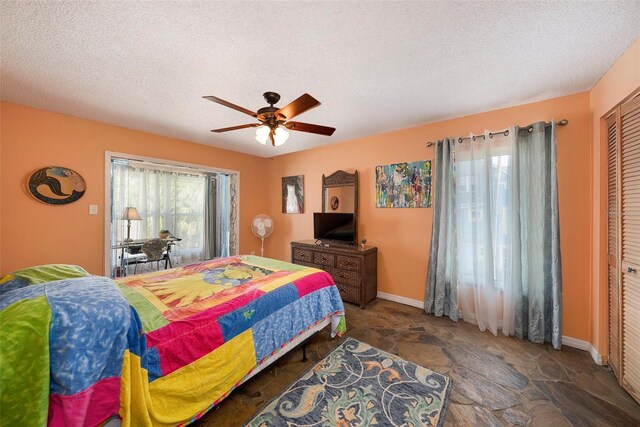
[
  {"x": 484, "y": 204},
  {"x": 165, "y": 198}
]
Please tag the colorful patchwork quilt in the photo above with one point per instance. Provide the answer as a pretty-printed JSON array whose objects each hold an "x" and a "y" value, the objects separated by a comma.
[{"x": 158, "y": 349}]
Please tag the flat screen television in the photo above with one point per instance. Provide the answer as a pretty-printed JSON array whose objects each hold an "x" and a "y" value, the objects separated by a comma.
[{"x": 339, "y": 227}]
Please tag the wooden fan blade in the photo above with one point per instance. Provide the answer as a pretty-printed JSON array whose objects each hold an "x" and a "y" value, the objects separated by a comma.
[
  {"x": 230, "y": 105},
  {"x": 299, "y": 106},
  {"x": 252, "y": 125},
  {"x": 307, "y": 127}
]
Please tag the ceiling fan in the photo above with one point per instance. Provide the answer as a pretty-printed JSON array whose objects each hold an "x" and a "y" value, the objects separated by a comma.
[{"x": 274, "y": 121}]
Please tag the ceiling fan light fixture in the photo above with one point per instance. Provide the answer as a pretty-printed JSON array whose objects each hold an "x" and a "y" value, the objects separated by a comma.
[
  {"x": 262, "y": 134},
  {"x": 280, "y": 136},
  {"x": 275, "y": 122}
]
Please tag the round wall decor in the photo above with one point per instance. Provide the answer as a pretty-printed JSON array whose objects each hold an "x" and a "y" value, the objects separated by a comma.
[
  {"x": 334, "y": 202},
  {"x": 56, "y": 185}
]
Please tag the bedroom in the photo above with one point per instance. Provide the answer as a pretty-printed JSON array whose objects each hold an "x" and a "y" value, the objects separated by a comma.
[{"x": 79, "y": 82}]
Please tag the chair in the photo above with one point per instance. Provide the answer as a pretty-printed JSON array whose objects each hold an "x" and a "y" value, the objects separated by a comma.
[
  {"x": 156, "y": 250},
  {"x": 133, "y": 256}
]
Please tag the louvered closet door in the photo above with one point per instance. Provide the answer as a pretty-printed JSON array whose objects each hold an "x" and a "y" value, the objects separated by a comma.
[
  {"x": 630, "y": 244},
  {"x": 612, "y": 247}
]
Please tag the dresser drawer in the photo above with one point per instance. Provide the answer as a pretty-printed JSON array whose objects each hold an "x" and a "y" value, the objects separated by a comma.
[
  {"x": 324, "y": 259},
  {"x": 348, "y": 262},
  {"x": 349, "y": 293},
  {"x": 302, "y": 255},
  {"x": 345, "y": 277}
]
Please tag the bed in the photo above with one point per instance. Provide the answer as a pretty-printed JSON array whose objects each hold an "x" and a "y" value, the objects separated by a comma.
[{"x": 158, "y": 349}]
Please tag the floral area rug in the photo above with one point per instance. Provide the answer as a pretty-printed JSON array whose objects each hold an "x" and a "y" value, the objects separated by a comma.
[{"x": 360, "y": 385}]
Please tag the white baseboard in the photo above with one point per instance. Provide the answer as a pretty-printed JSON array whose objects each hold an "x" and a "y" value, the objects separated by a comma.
[
  {"x": 597, "y": 357},
  {"x": 583, "y": 345},
  {"x": 568, "y": 341},
  {"x": 402, "y": 300},
  {"x": 576, "y": 343}
]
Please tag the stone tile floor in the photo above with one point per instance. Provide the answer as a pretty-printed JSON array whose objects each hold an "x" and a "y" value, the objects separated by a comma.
[{"x": 496, "y": 380}]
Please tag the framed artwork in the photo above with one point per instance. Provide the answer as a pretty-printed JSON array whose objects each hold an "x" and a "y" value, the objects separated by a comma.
[
  {"x": 404, "y": 185},
  {"x": 56, "y": 185},
  {"x": 293, "y": 194}
]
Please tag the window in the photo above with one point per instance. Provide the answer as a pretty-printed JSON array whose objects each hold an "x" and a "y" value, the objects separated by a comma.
[
  {"x": 483, "y": 217},
  {"x": 196, "y": 206}
]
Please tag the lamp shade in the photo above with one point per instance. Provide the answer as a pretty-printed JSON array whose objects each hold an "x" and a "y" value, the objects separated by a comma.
[
  {"x": 130, "y": 213},
  {"x": 280, "y": 136},
  {"x": 262, "y": 134}
]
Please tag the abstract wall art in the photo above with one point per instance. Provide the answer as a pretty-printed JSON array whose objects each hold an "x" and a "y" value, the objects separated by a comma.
[{"x": 404, "y": 185}]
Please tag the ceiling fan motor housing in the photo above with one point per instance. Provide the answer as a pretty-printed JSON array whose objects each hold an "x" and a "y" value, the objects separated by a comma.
[
  {"x": 268, "y": 117},
  {"x": 267, "y": 114}
]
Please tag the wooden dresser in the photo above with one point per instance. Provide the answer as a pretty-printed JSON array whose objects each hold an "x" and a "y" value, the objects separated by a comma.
[{"x": 354, "y": 270}]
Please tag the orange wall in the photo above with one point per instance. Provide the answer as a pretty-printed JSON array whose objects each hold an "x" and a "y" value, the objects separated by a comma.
[
  {"x": 36, "y": 233},
  {"x": 620, "y": 81},
  {"x": 403, "y": 235}
]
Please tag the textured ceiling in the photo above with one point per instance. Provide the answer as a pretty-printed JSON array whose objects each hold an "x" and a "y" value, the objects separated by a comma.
[{"x": 375, "y": 66}]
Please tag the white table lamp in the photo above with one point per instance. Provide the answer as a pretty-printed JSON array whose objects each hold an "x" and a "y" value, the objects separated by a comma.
[{"x": 130, "y": 214}]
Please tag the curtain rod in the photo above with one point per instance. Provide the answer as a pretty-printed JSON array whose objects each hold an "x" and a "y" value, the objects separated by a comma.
[{"x": 562, "y": 122}]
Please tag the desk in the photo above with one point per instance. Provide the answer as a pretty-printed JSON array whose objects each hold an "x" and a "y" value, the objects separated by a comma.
[{"x": 137, "y": 244}]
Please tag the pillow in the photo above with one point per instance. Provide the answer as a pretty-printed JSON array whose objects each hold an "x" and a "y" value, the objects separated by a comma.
[
  {"x": 9, "y": 283},
  {"x": 49, "y": 273}
]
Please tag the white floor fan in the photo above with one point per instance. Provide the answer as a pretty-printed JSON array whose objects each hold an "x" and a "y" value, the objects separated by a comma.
[{"x": 262, "y": 227}]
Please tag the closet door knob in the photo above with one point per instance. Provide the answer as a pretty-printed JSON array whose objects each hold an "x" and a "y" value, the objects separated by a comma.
[{"x": 631, "y": 270}]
